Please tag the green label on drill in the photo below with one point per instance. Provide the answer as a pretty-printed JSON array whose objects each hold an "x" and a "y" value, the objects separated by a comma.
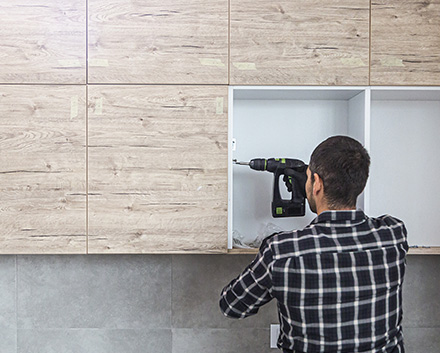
[
  {"x": 283, "y": 161},
  {"x": 279, "y": 210}
]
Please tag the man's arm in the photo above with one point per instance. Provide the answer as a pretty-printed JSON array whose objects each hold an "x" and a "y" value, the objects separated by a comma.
[{"x": 251, "y": 289}]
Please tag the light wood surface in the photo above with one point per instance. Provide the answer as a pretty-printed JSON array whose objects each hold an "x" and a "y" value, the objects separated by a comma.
[
  {"x": 43, "y": 42},
  {"x": 168, "y": 41},
  {"x": 299, "y": 42},
  {"x": 42, "y": 169},
  {"x": 157, "y": 169},
  {"x": 238, "y": 251},
  {"x": 412, "y": 251},
  {"x": 434, "y": 250},
  {"x": 405, "y": 42}
]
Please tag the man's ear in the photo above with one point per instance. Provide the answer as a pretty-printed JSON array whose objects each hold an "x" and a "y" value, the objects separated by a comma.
[{"x": 318, "y": 185}]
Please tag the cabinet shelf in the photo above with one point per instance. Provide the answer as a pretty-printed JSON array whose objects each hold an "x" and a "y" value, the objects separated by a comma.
[{"x": 435, "y": 250}]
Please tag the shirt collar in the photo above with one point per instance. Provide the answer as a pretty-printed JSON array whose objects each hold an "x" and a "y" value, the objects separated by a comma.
[{"x": 344, "y": 218}]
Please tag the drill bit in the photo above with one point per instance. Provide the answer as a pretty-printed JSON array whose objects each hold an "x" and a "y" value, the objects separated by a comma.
[{"x": 240, "y": 163}]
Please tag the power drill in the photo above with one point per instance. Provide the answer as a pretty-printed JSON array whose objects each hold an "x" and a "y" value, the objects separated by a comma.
[{"x": 294, "y": 171}]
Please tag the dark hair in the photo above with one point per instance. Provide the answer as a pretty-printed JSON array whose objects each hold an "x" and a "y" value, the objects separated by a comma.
[{"x": 343, "y": 165}]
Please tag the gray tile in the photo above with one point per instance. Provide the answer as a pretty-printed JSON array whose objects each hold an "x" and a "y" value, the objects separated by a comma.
[
  {"x": 197, "y": 284},
  {"x": 94, "y": 341},
  {"x": 421, "y": 290},
  {"x": 99, "y": 291},
  {"x": 222, "y": 341},
  {"x": 422, "y": 340},
  {"x": 8, "y": 340},
  {"x": 7, "y": 293}
]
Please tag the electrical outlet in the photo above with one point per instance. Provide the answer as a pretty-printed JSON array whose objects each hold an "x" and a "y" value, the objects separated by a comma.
[{"x": 274, "y": 333}]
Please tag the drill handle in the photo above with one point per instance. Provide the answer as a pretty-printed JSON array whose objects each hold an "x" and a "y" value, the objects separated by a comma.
[
  {"x": 295, "y": 207},
  {"x": 296, "y": 181}
]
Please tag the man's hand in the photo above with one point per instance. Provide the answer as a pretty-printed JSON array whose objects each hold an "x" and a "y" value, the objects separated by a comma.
[{"x": 295, "y": 180}]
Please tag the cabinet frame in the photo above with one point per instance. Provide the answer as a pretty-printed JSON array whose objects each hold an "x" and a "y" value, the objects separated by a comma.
[{"x": 431, "y": 93}]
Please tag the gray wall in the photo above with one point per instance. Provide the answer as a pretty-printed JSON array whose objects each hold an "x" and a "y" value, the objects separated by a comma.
[{"x": 160, "y": 303}]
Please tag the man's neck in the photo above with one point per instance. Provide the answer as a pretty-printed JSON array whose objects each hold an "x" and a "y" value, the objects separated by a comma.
[{"x": 326, "y": 208}]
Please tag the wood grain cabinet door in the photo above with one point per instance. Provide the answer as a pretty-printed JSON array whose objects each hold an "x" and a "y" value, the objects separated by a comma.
[
  {"x": 167, "y": 41},
  {"x": 299, "y": 42},
  {"x": 157, "y": 169},
  {"x": 405, "y": 42},
  {"x": 43, "y": 41},
  {"x": 42, "y": 169}
]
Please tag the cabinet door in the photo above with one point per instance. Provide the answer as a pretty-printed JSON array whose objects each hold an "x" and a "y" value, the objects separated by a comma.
[
  {"x": 43, "y": 41},
  {"x": 168, "y": 41},
  {"x": 405, "y": 42},
  {"x": 294, "y": 42},
  {"x": 42, "y": 169},
  {"x": 157, "y": 169}
]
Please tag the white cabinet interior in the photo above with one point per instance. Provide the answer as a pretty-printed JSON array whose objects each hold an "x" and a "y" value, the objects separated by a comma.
[
  {"x": 405, "y": 125},
  {"x": 398, "y": 125}
]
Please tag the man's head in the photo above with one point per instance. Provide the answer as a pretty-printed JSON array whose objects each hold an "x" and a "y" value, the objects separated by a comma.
[{"x": 337, "y": 174}]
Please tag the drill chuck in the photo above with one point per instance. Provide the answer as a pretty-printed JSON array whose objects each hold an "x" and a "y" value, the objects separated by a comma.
[{"x": 258, "y": 164}]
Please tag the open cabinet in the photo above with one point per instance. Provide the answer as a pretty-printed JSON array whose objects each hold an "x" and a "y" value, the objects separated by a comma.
[
  {"x": 397, "y": 126},
  {"x": 404, "y": 143}
]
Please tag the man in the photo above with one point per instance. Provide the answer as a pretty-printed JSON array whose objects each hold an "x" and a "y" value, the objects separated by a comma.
[{"x": 338, "y": 281}]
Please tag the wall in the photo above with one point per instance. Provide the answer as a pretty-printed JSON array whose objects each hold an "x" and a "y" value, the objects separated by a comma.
[{"x": 160, "y": 303}]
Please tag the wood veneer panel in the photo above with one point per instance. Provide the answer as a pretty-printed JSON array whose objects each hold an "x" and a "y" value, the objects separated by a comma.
[
  {"x": 412, "y": 251},
  {"x": 295, "y": 42},
  {"x": 42, "y": 169},
  {"x": 157, "y": 169},
  {"x": 405, "y": 42},
  {"x": 164, "y": 41},
  {"x": 43, "y": 41}
]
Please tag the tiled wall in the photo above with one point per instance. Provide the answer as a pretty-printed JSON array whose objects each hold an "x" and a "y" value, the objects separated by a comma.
[{"x": 160, "y": 303}]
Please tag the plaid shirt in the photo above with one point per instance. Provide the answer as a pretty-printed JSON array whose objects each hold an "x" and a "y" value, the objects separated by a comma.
[{"x": 338, "y": 284}]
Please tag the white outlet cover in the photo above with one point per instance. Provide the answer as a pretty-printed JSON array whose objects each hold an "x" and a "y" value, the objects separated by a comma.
[{"x": 274, "y": 333}]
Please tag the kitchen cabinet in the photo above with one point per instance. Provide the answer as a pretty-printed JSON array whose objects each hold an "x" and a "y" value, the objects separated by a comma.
[
  {"x": 43, "y": 42},
  {"x": 397, "y": 125},
  {"x": 405, "y": 42},
  {"x": 132, "y": 153},
  {"x": 158, "y": 42},
  {"x": 157, "y": 169},
  {"x": 42, "y": 169},
  {"x": 299, "y": 42}
]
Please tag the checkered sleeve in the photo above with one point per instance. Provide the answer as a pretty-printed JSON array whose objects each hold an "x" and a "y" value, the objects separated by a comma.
[{"x": 251, "y": 289}]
